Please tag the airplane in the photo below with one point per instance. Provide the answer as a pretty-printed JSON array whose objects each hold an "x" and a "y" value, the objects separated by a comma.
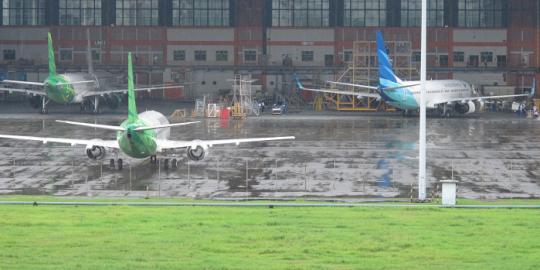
[
  {"x": 80, "y": 88},
  {"x": 140, "y": 135},
  {"x": 445, "y": 96}
]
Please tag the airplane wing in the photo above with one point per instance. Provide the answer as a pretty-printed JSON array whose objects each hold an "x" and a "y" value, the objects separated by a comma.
[
  {"x": 119, "y": 128},
  {"x": 373, "y": 87},
  {"x": 123, "y": 91},
  {"x": 481, "y": 98},
  {"x": 344, "y": 92},
  {"x": 354, "y": 85},
  {"x": 23, "y": 82},
  {"x": 170, "y": 144},
  {"x": 34, "y": 92},
  {"x": 335, "y": 91},
  {"x": 72, "y": 142}
]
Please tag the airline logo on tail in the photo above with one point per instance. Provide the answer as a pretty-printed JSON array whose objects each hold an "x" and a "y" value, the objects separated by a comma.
[{"x": 387, "y": 77}]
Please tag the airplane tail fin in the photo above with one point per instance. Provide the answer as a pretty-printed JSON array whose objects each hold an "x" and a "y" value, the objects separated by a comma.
[
  {"x": 387, "y": 77},
  {"x": 52, "y": 65},
  {"x": 132, "y": 107}
]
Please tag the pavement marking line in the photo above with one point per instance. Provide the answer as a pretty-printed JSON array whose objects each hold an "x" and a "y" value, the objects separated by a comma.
[{"x": 268, "y": 205}]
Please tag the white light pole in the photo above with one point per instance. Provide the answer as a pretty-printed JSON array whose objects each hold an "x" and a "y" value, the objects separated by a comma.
[{"x": 422, "y": 139}]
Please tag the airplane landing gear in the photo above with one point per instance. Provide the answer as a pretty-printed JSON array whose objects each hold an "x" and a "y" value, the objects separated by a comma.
[
  {"x": 119, "y": 163},
  {"x": 44, "y": 102},
  {"x": 97, "y": 108},
  {"x": 153, "y": 159}
]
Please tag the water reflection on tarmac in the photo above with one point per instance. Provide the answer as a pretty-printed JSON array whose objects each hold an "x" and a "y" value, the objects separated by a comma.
[{"x": 334, "y": 155}]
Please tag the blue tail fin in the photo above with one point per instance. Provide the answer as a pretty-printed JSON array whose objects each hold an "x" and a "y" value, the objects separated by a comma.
[{"x": 387, "y": 77}]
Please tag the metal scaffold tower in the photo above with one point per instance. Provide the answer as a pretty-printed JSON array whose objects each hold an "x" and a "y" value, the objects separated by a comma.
[
  {"x": 363, "y": 69},
  {"x": 243, "y": 104}
]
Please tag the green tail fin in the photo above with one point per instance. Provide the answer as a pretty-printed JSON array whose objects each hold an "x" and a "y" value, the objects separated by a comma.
[
  {"x": 132, "y": 107},
  {"x": 52, "y": 65}
]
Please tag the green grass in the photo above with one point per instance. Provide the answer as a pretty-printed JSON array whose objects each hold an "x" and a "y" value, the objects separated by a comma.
[{"x": 123, "y": 237}]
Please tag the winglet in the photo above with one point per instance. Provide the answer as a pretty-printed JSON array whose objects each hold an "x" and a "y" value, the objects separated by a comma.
[
  {"x": 298, "y": 83},
  {"x": 52, "y": 65},
  {"x": 132, "y": 107}
]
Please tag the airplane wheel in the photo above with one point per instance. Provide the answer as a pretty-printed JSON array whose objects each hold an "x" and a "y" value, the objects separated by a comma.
[
  {"x": 111, "y": 163},
  {"x": 447, "y": 114},
  {"x": 166, "y": 163},
  {"x": 120, "y": 164},
  {"x": 174, "y": 163}
]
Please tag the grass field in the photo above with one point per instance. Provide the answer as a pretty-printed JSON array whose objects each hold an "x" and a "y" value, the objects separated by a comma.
[{"x": 123, "y": 237}]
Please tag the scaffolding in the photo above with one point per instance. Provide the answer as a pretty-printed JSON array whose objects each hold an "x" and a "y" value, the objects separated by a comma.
[
  {"x": 243, "y": 104},
  {"x": 363, "y": 69}
]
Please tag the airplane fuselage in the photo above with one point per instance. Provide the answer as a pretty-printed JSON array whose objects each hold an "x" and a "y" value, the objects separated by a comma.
[
  {"x": 59, "y": 88},
  {"x": 437, "y": 91},
  {"x": 142, "y": 144}
]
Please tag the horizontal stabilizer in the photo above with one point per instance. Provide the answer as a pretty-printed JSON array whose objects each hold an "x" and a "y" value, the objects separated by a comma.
[
  {"x": 117, "y": 128},
  {"x": 166, "y": 126},
  {"x": 399, "y": 87},
  {"x": 23, "y": 82},
  {"x": 79, "y": 82}
]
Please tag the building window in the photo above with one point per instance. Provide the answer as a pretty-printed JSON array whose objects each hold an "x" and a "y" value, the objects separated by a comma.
[
  {"x": 459, "y": 57},
  {"x": 96, "y": 55},
  {"x": 364, "y": 13},
  {"x": 501, "y": 60},
  {"x": 250, "y": 56},
  {"x": 416, "y": 57},
  {"x": 443, "y": 60},
  {"x": 23, "y": 12},
  {"x": 329, "y": 60},
  {"x": 179, "y": 55},
  {"x": 222, "y": 56},
  {"x": 201, "y": 12},
  {"x": 65, "y": 54},
  {"x": 137, "y": 12},
  {"x": 486, "y": 57},
  {"x": 307, "y": 56},
  {"x": 200, "y": 55},
  {"x": 484, "y": 14},
  {"x": 9, "y": 55},
  {"x": 347, "y": 56},
  {"x": 80, "y": 12},
  {"x": 300, "y": 13},
  {"x": 411, "y": 11}
]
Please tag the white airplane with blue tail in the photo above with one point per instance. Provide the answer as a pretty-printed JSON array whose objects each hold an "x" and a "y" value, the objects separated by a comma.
[{"x": 445, "y": 96}]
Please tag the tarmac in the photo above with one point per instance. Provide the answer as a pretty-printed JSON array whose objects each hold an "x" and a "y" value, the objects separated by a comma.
[{"x": 335, "y": 155}]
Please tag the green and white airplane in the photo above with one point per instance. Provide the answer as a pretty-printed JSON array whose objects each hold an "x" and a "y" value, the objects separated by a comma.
[
  {"x": 140, "y": 135},
  {"x": 78, "y": 88}
]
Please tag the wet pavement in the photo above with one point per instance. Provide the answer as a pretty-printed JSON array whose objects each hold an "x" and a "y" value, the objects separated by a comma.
[{"x": 342, "y": 155}]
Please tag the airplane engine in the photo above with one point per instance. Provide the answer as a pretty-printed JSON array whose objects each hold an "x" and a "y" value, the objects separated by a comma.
[
  {"x": 197, "y": 152},
  {"x": 466, "y": 108},
  {"x": 113, "y": 101},
  {"x": 95, "y": 152}
]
